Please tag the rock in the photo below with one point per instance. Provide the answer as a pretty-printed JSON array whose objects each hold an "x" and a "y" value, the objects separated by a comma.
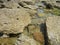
[
  {"x": 33, "y": 28},
  {"x": 32, "y": 12},
  {"x": 13, "y": 20},
  {"x": 38, "y": 36},
  {"x": 7, "y": 41},
  {"x": 52, "y": 2},
  {"x": 30, "y": 4},
  {"x": 28, "y": 1},
  {"x": 31, "y": 7},
  {"x": 42, "y": 15},
  {"x": 53, "y": 29},
  {"x": 34, "y": 32},
  {"x": 18, "y": 3},
  {"x": 25, "y": 40},
  {"x": 22, "y": 4},
  {"x": 11, "y": 5},
  {"x": 37, "y": 21}
]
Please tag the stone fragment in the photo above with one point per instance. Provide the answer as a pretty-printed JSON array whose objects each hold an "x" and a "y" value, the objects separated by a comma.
[{"x": 38, "y": 37}]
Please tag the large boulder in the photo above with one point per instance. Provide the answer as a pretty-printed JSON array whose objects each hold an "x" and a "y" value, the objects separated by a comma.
[
  {"x": 13, "y": 20},
  {"x": 53, "y": 29}
]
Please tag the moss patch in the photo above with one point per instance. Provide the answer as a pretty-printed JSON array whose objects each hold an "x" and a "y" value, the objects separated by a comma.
[{"x": 56, "y": 11}]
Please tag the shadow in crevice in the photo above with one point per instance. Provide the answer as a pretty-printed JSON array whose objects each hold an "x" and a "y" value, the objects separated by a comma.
[
  {"x": 48, "y": 5},
  {"x": 44, "y": 31}
]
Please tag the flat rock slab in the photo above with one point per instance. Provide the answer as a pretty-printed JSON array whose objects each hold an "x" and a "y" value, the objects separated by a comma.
[
  {"x": 53, "y": 29},
  {"x": 13, "y": 20}
]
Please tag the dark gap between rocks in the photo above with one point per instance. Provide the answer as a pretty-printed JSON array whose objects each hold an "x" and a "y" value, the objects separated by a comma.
[
  {"x": 2, "y": 6},
  {"x": 14, "y": 35},
  {"x": 21, "y": 4},
  {"x": 1, "y": 34},
  {"x": 8, "y": 0},
  {"x": 1, "y": 1},
  {"x": 48, "y": 5},
  {"x": 44, "y": 31},
  {"x": 57, "y": 1}
]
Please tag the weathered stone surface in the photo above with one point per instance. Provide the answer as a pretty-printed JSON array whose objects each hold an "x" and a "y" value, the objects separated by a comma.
[
  {"x": 17, "y": 4},
  {"x": 9, "y": 4},
  {"x": 37, "y": 21},
  {"x": 25, "y": 40},
  {"x": 34, "y": 32},
  {"x": 53, "y": 29},
  {"x": 7, "y": 41},
  {"x": 38, "y": 36},
  {"x": 33, "y": 28},
  {"x": 28, "y": 1},
  {"x": 13, "y": 20}
]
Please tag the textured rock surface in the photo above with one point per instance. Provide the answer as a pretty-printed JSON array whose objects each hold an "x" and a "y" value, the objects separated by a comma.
[
  {"x": 13, "y": 20},
  {"x": 7, "y": 41},
  {"x": 53, "y": 2},
  {"x": 24, "y": 20},
  {"x": 33, "y": 31},
  {"x": 25, "y": 40},
  {"x": 53, "y": 30},
  {"x": 17, "y": 4},
  {"x": 38, "y": 36}
]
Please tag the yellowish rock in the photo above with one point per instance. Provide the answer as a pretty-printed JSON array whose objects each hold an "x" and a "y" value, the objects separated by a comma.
[
  {"x": 7, "y": 41},
  {"x": 13, "y": 20}
]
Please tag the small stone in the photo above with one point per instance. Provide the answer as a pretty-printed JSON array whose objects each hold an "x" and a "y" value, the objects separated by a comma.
[{"x": 39, "y": 37}]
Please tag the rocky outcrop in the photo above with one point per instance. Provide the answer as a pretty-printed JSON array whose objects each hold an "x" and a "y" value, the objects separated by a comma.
[{"x": 53, "y": 30}]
